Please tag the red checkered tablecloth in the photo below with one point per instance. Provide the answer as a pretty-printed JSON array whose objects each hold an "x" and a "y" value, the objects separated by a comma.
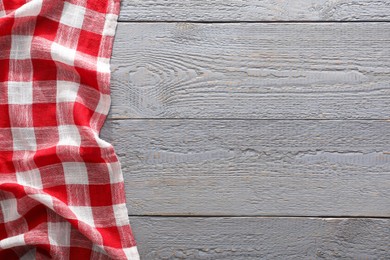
[{"x": 61, "y": 186}]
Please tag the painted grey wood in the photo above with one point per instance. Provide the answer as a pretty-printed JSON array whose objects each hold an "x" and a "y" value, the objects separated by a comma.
[
  {"x": 254, "y": 167},
  {"x": 267, "y": 71},
  {"x": 254, "y": 10},
  {"x": 261, "y": 238}
]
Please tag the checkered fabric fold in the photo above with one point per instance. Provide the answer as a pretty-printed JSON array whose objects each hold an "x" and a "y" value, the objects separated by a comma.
[{"x": 61, "y": 186}]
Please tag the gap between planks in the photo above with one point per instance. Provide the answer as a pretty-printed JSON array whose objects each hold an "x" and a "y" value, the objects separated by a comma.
[
  {"x": 247, "y": 119},
  {"x": 259, "y": 216},
  {"x": 243, "y": 21}
]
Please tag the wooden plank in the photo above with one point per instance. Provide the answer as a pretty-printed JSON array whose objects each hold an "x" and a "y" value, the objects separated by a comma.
[
  {"x": 255, "y": 10},
  {"x": 257, "y": 71},
  {"x": 261, "y": 238},
  {"x": 254, "y": 167}
]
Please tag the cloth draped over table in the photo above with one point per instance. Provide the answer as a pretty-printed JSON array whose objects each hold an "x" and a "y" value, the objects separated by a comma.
[{"x": 61, "y": 186}]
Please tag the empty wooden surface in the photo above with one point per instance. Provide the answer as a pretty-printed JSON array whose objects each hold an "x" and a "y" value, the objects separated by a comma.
[
  {"x": 262, "y": 238},
  {"x": 243, "y": 126},
  {"x": 255, "y": 10},
  {"x": 254, "y": 167},
  {"x": 284, "y": 71}
]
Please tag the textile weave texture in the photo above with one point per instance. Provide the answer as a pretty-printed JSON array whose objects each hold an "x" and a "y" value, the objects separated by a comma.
[{"x": 61, "y": 186}]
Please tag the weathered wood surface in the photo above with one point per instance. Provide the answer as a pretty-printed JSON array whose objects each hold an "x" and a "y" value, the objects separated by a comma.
[
  {"x": 242, "y": 167},
  {"x": 266, "y": 71},
  {"x": 262, "y": 238},
  {"x": 254, "y": 167},
  {"x": 255, "y": 10}
]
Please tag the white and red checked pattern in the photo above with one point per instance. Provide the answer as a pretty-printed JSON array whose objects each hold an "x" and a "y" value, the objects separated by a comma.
[{"x": 61, "y": 186}]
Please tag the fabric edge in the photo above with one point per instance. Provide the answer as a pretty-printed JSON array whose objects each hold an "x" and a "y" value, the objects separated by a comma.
[{"x": 112, "y": 22}]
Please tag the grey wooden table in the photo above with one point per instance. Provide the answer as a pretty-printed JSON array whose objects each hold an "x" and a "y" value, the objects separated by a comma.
[{"x": 252, "y": 129}]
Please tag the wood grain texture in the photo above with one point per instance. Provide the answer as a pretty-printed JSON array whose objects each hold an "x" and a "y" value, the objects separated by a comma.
[
  {"x": 254, "y": 167},
  {"x": 253, "y": 71},
  {"x": 255, "y": 10},
  {"x": 261, "y": 238}
]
